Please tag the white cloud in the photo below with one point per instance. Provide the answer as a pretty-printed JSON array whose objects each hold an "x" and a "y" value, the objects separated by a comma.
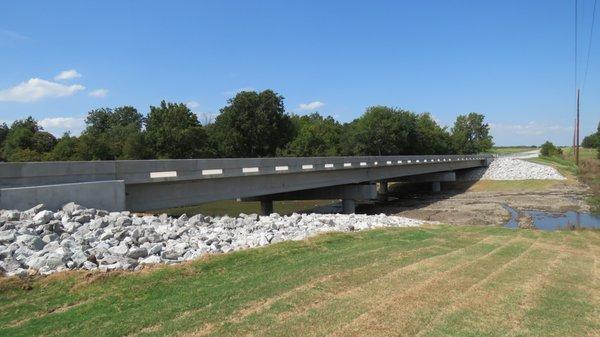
[
  {"x": 36, "y": 89},
  {"x": 67, "y": 75},
  {"x": 59, "y": 125},
  {"x": 192, "y": 104},
  {"x": 311, "y": 106},
  {"x": 531, "y": 133},
  {"x": 206, "y": 118},
  {"x": 12, "y": 35},
  {"x": 98, "y": 93},
  {"x": 530, "y": 129}
]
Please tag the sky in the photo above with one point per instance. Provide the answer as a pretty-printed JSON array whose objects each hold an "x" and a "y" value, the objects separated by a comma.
[{"x": 511, "y": 60}]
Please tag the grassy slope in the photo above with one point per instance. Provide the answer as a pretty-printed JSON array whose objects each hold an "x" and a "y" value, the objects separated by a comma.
[
  {"x": 464, "y": 281},
  {"x": 510, "y": 149}
]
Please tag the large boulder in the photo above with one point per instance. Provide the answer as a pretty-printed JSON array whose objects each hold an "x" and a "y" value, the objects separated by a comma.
[{"x": 30, "y": 241}]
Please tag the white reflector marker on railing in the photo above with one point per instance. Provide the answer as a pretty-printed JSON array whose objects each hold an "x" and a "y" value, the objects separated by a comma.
[
  {"x": 212, "y": 172},
  {"x": 328, "y": 165},
  {"x": 347, "y": 164},
  {"x": 281, "y": 168},
  {"x": 307, "y": 167},
  {"x": 250, "y": 169},
  {"x": 362, "y": 163},
  {"x": 163, "y": 174}
]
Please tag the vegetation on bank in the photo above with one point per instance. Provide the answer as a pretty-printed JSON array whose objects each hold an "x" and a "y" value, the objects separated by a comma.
[
  {"x": 336, "y": 284},
  {"x": 505, "y": 150},
  {"x": 252, "y": 124},
  {"x": 588, "y": 171}
]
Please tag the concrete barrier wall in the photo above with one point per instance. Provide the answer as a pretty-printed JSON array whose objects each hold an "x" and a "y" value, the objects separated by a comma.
[
  {"x": 151, "y": 171},
  {"x": 107, "y": 195}
]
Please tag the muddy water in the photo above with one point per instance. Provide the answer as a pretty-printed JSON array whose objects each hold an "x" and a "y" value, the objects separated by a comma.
[{"x": 553, "y": 221}]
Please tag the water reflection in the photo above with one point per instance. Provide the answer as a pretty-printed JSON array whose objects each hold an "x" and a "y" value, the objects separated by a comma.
[{"x": 553, "y": 221}]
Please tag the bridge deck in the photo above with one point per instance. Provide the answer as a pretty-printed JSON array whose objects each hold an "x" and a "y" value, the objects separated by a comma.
[{"x": 152, "y": 184}]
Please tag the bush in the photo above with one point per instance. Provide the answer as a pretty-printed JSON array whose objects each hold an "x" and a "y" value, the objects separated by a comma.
[{"x": 548, "y": 149}]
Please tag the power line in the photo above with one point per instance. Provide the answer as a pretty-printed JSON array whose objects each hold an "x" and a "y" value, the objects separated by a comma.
[
  {"x": 576, "y": 37},
  {"x": 587, "y": 62}
]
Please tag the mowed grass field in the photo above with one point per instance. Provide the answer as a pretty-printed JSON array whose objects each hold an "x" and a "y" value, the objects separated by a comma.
[
  {"x": 511, "y": 149},
  {"x": 434, "y": 281}
]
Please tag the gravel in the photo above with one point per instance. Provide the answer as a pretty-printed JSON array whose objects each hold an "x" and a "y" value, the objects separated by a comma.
[
  {"x": 42, "y": 241},
  {"x": 513, "y": 169}
]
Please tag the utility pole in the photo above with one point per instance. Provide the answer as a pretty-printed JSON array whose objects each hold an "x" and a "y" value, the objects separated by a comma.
[{"x": 577, "y": 133}]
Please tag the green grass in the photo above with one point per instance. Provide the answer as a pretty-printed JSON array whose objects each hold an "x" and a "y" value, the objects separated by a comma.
[
  {"x": 584, "y": 153},
  {"x": 561, "y": 164},
  {"x": 510, "y": 149},
  {"x": 233, "y": 208},
  {"x": 438, "y": 281}
]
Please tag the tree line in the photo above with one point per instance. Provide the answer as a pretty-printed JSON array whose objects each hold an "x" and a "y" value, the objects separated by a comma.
[{"x": 252, "y": 124}]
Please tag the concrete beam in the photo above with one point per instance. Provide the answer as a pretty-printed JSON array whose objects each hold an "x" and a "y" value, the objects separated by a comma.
[
  {"x": 429, "y": 177},
  {"x": 354, "y": 191},
  {"x": 165, "y": 194}
]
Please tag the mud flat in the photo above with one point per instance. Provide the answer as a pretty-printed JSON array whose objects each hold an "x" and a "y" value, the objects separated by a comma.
[{"x": 480, "y": 202}]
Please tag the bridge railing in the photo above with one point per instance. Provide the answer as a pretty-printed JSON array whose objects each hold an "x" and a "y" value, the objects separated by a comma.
[{"x": 146, "y": 171}]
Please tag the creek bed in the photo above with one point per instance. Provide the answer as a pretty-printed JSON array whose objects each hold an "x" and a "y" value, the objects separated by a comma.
[{"x": 553, "y": 221}]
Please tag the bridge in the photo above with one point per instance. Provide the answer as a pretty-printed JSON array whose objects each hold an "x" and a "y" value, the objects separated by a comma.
[{"x": 141, "y": 185}]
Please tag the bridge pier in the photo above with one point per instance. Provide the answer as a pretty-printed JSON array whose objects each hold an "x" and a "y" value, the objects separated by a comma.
[
  {"x": 348, "y": 206},
  {"x": 383, "y": 191},
  {"x": 436, "y": 186},
  {"x": 266, "y": 207}
]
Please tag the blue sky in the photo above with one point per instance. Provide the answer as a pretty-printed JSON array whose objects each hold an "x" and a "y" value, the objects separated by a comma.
[{"x": 510, "y": 60}]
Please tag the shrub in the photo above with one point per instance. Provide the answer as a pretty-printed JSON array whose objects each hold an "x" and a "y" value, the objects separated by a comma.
[{"x": 548, "y": 149}]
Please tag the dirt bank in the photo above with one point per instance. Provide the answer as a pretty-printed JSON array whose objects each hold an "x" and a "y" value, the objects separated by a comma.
[{"x": 481, "y": 203}]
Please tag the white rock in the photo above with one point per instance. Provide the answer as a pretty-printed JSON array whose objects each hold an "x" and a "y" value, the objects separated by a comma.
[
  {"x": 76, "y": 237},
  {"x": 150, "y": 260},
  {"x": 43, "y": 217},
  {"x": 137, "y": 252},
  {"x": 506, "y": 168},
  {"x": 30, "y": 241}
]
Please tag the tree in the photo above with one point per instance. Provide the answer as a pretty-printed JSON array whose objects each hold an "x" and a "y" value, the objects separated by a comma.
[
  {"x": 3, "y": 134},
  {"x": 42, "y": 141},
  {"x": 429, "y": 137},
  {"x": 64, "y": 150},
  {"x": 315, "y": 136},
  {"x": 470, "y": 134},
  {"x": 253, "y": 125},
  {"x": 112, "y": 134},
  {"x": 26, "y": 141},
  {"x": 593, "y": 140},
  {"x": 173, "y": 131},
  {"x": 382, "y": 130}
]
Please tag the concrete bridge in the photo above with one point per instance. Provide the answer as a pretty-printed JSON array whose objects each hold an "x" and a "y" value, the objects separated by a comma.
[{"x": 140, "y": 185}]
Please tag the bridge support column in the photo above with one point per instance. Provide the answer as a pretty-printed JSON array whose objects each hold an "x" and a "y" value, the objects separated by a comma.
[
  {"x": 348, "y": 206},
  {"x": 266, "y": 207},
  {"x": 383, "y": 191},
  {"x": 436, "y": 187}
]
